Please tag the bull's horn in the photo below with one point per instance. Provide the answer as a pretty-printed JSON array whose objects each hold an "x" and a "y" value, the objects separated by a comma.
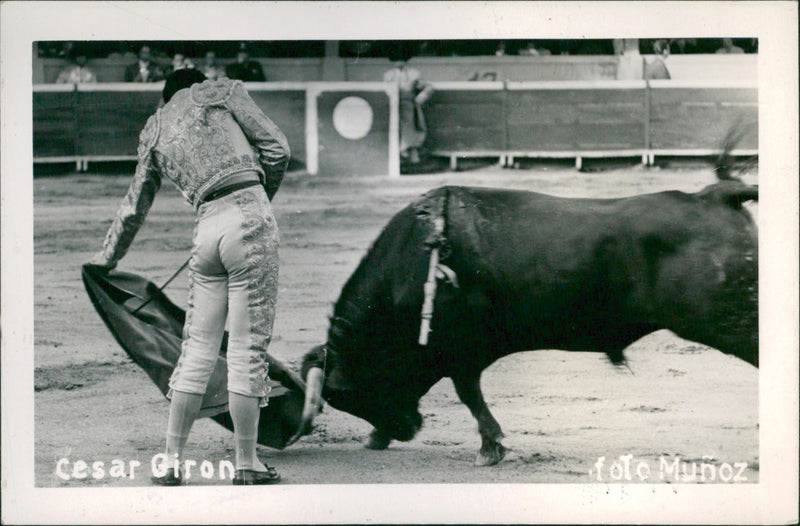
[{"x": 314, "y": 380}]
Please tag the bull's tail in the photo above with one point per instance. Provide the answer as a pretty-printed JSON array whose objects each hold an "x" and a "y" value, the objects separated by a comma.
[
  {"x": 725, "y": 163},
  {"x": 731, "y": 191}
]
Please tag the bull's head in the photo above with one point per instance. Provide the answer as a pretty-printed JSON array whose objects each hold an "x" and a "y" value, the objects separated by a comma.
[{"x": 392, "y": 410}]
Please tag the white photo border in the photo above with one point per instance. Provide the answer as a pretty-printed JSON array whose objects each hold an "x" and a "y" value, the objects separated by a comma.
[{"x": 774, "y": 499}]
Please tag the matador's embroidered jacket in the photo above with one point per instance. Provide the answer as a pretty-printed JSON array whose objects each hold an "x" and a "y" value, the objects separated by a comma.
[{"x": 203, "y": 136}]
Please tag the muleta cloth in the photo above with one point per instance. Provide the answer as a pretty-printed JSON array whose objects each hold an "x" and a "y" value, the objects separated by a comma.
[{"x": 152, "y": 337}]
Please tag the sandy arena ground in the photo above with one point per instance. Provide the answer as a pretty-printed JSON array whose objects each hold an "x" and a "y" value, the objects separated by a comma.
[{"x": 560, "y": 411}]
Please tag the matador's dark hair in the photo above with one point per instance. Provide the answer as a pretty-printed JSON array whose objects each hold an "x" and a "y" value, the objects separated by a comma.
[{"x": 182, "y": 78}]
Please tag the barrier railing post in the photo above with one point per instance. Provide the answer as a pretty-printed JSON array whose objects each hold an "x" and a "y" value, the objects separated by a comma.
[
  {"x": 312, "y": 130},
  {"x": 647, "y": 118},
  {"x": 393, "y": 91},
  {"x": 505, "y": 120}
]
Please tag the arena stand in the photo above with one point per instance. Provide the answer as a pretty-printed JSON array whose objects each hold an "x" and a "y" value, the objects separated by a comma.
[{"x": 506, "y": 107}]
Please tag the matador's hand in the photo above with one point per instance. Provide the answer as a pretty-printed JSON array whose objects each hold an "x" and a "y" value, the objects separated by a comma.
[{"x": 99, "y": 260}]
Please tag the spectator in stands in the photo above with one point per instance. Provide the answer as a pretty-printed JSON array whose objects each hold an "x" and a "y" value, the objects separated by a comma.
[
  {"x": 630, "y": 64},
  {"x": 77, "y": 72},
  {"x": 533, "y": 49},
  {"x": 657, "y": 67},
  {"x": 429, "y": 48},
  {"x": 729, "y": 48},
  {"x": 144, "y": 69},
  {"x": 210, "y": 68},
  {"x": 179, "y": 61},
  {"x": 358, "y": 48},
  {"x": 245, "y": 69},
  {"x": 594, "y": 47},
  {"x": 122, "y": 54},
  {"x": 683, "y": 45},
  {"x": 54, "y": 49},
  {"x": 566, "y": 47},
  {"x": 414, "y": 92}
]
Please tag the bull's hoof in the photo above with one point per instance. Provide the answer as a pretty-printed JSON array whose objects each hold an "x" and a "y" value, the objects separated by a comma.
[
  {"x": 378, "y": 440},
  {"x": 489, "y": 456}
]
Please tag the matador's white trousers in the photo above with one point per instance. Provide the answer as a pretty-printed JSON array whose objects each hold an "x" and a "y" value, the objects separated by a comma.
[{"x": 233, "y": 275}]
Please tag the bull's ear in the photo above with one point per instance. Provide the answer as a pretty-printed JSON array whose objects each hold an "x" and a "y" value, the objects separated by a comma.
[{"x": 732, "y": 194}]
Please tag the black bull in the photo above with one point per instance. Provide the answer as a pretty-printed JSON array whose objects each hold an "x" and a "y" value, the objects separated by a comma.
[{"x": 532, "y": 272}]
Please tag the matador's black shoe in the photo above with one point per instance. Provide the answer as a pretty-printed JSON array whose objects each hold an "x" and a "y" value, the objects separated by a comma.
[
  {"x": 248, "y": 477},
  {"x": 171, "y": 478}
]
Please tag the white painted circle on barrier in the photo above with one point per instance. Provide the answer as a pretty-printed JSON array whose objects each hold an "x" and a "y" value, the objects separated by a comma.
[{"x": 352, "y": 118}]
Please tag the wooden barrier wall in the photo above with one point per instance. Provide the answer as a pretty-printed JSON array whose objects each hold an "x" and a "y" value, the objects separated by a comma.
[
  {"x": 589, "y": 119},
  {"x": 54, "y": 122},
  {"x": 471, "y": 118},
  {"x": 102, "y": 122},
  {"x": 540, "y": 119},
  {"x": 108, "y": 123},
  {"x": 694, "y": 116},
  {"x": 287, "y": 108},
  {"x": 576, "y": 117}
]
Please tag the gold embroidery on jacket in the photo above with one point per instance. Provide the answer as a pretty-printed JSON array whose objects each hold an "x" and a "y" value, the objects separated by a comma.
[{"x": 187, "y": 142}]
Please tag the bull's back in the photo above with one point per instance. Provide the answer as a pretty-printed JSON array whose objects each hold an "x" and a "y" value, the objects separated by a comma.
[
  {"x": 519, "y": 237},
  {"x": 578, "y": 273},
  {"x": 538, "y": 271}
]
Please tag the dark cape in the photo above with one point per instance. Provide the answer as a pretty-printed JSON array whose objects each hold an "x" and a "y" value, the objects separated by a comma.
[{"x": 152, "y": 338}]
